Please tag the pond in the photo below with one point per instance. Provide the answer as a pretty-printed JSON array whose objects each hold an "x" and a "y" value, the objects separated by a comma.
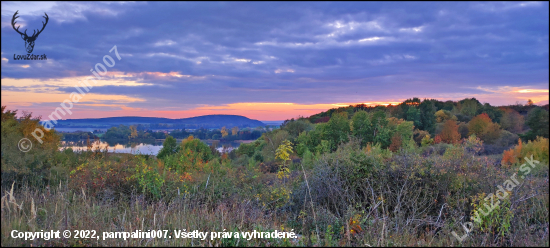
[{"x": 149, "y": 147}]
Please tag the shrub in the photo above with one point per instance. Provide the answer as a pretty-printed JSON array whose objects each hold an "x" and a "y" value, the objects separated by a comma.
[{"x": 537, "y": 148}]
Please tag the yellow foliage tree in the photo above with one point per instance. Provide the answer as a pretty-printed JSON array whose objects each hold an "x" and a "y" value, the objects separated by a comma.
[
  {"x": 283, "y": 153},
  {"x": 133, "y": 133},
  {"x": 235, "y": 130},
  {"x": 224, "y": 132}
]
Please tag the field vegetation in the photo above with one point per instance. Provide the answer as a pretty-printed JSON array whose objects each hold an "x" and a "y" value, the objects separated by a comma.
[{"x": 404, "y": 175}]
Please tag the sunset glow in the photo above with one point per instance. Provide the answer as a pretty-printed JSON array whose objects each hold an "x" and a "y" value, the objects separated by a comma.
[{"x": 287, "y": 64}]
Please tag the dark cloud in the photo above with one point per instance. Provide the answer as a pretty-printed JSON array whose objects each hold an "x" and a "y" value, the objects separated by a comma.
[{"x": 305, "y": 52}]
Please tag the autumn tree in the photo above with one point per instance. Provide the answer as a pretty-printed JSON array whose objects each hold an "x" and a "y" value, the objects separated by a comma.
[
  {"x": 492, "y": 133},
  {"x": 403, "y": 132},
  {"x": 450, "y": 134},
  {"x": 444, "y": 115},
  {"x": 426, "y": 141},
  {"x": 419, "y": 135},
  {"x": 484, "y": 128},
  {"x": 479, "y": 124},
  {"x": 283, "y": 153},
  {"x": 396, "y": 142},
  {"x": 133, "y": 132},
  {"x": 235, "y": 131},
  {"x": 224, "y": 132},
  {"x": 512, "y": 121}
]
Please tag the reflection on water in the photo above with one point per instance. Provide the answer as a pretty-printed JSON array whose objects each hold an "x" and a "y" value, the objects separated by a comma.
[
  {"x": 133, "y": 148},
  {"x": 149, "y": 147}
]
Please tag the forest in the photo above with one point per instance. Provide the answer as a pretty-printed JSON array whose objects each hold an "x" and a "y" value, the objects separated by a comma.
[
  {"x": 133, "y": 132},
  {"x": 412, "y": 174}
]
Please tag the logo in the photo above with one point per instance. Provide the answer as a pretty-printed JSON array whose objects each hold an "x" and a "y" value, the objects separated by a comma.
[{"x": 29, "y": 40}]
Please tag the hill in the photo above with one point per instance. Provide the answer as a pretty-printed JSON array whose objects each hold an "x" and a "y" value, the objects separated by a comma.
[{"x": 206, "y": 121}]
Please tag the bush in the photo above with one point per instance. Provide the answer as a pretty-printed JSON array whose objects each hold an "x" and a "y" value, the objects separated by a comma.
[{"x": 537, "y": 148}]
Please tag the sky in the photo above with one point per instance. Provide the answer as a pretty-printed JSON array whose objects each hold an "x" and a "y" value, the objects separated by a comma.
[{"x": 271, "y": 60}]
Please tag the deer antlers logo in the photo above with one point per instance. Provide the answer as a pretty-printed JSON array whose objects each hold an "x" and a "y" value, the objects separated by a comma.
[{"x": 29, "y": 41}]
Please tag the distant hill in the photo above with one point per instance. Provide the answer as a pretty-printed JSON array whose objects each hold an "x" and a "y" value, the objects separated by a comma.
[{"x": 206, "y": 121}]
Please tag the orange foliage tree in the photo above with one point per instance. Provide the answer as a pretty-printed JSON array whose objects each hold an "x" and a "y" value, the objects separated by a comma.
[
  {"x": 479, "y": 124},
  {"x": 395, "y": 142},
  {"x": 484, "y": 128},
  {"x": 450, "y": 134}
]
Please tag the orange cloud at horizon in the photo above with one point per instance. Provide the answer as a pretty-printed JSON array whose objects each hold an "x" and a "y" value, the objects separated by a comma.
[{"x": 39, "y": 96}]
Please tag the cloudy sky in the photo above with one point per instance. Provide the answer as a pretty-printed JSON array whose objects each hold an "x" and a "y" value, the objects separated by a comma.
[{"x": 273, "y": 60}]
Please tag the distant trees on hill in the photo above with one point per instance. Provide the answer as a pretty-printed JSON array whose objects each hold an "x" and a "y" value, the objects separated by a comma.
[
  {"x": 428, "y": 119},
  {"x": 134, "y": 132}
]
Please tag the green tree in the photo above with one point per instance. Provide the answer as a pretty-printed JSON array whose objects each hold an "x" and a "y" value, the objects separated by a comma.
[
  {"x": 427, "y": 110},
  {"x": 337, "y": 129},
  {"x": 362, "y": 127},
  {"x": 169, "y": 147},
  {"x": 537, "y": 121},
  {"x": 272, "y": 141},
  {"x": 469, "y": 107},
  {"x": 296, "y": 127},
  {"x": 309, "y": 140},
  {"x": 380, "y": 130},
  {"x": 197, "y": 146},
  {"x": 405, "y": 130},
  {"x": 414, "y": 115},
  {"x": 493, "y": 112}
]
